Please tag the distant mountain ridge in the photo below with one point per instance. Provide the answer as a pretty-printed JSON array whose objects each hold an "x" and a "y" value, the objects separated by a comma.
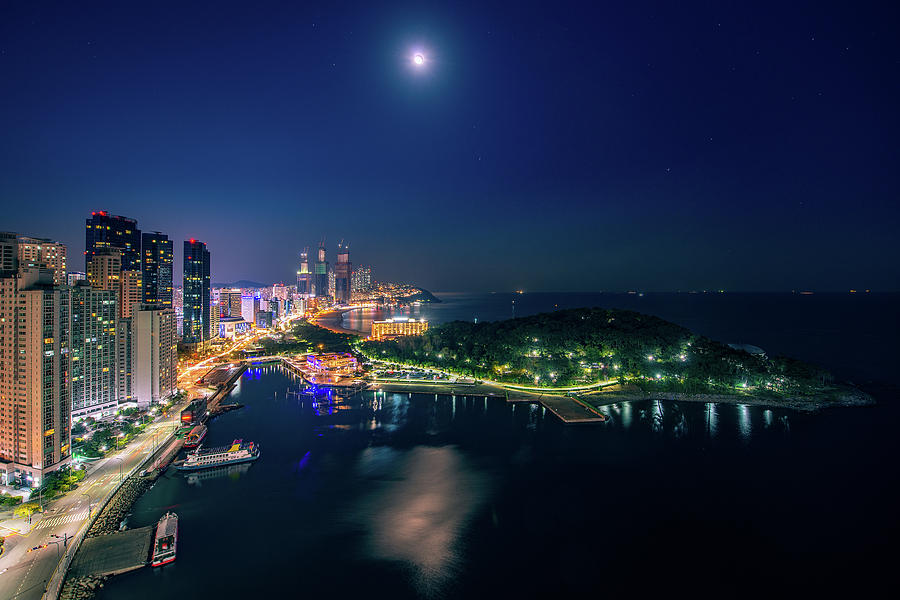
[{"x": 243, "y": 283}]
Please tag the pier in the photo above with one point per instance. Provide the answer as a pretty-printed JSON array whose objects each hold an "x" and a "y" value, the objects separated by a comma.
[
  {"x": 567, "y": 409},
  {"x": 113, "y": 554}
]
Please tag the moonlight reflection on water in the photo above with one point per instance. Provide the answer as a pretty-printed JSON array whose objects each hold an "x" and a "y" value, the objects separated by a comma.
[{"x": 419, "y": 518}]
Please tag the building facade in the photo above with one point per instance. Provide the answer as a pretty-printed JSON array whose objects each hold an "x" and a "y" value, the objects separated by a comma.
[
  {"x": 155, "y": 352},
  {"x": 103, "y": 230},
  {"x": 361, "y": 280},
  {"x": 196, "y": 294},
  {"x": 398, "y": 327},
  {"x": 230, "y": 302},
  {"x": 342, "y": 270},
  {"x": 156, "y": 269},
  {"x": 105, "y": 269},
  {"x": 43, "y": 253},
  {"x": 304, "y": 276},
  {"x": 35, "y": 400},
  {"x": 130, "y": 291},
  {"x": 124, "y": 362},
  {"x": 93, "y": 351}
]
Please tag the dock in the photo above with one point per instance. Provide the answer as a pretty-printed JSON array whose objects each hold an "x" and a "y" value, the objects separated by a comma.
[
  {"x": 113, "y": 554},
  {"x": 567, "y": 409},
  {"x": 570, "y": 411}
]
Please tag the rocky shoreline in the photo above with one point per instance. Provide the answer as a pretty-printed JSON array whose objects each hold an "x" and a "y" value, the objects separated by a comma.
[
  {"x": 82, "y": 588},
  {"x": 118, "y": 507}
]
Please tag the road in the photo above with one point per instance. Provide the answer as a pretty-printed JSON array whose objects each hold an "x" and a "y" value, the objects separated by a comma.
[{"x": 24, "y": 574}]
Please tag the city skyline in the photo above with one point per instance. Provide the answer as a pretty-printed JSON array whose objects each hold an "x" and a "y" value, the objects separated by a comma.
[{"x": 575, "y": 148}]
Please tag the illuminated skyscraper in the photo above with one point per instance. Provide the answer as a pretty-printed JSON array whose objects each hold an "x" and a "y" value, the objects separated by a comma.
[
  {"x": 304, "y": 277},
  {"x": 342, "y": 274},
  {"x": 156, "y": 270},
  {"x": 195, "y": 327},
  {"x": 103, "y": 230},
  {"x": 321, "y": 274}
]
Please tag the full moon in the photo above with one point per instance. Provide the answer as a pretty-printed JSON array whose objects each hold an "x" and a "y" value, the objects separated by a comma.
[{"x": 419, "y": 59}]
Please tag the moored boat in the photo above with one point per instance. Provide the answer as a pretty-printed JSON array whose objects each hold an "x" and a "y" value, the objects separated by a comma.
[
  {"x": 166, "y": 540},
  {"x": 205, "y": 458},
  {"x": 195, "y": 437}
]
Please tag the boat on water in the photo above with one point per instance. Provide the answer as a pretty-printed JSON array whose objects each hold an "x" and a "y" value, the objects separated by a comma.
[
  {"x": 195, "y": 437},
  {"x": 166, "y": 540},
  {"x": 206, "y": 458}
]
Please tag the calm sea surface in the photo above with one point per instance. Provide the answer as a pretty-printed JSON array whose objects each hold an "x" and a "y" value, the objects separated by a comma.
[{"x": 424, "y": 496}]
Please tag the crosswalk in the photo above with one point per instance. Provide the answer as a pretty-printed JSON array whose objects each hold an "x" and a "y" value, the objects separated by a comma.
[{"x": 62, "y": 520}]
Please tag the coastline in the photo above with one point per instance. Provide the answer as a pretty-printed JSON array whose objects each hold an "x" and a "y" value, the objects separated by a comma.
[
  {"x": 336, "y": 327},
  {"x": 849, "y": 395}
]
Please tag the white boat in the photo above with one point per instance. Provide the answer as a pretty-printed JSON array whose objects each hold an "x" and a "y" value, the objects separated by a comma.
[{"x": 206, "y": 458}]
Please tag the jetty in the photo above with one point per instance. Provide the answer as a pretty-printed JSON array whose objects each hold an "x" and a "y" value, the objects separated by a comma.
[
  {"x": 113, "y": 554},
  {"x": 567, "y": 409}
]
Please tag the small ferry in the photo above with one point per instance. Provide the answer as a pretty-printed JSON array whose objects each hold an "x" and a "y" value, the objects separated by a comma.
[
  {"x": 195, "y": 437},
  {"x": 205, "y": 458},
  {"x": 166, "y": 540}
]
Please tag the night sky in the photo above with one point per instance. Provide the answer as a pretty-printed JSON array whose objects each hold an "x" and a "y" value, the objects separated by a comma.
[{"x": 550, "y": 147}]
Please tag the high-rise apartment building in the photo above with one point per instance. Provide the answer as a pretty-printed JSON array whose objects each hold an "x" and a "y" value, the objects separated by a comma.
[
  {"x": 361, "y": 280},
  {"x": 130, "y": 290},
  {"x": 35, "y": 401},
  {"x": 74, "y": 276},
  {"x": 93, "y": 351},
  {"x": 156, "y": 269},
  {"x": 196, "y": 295},
  {"x": 105, "y": 269},
  {"x": 43, "y": 253},
  {"x": 321, "y": 274},
  {"x": 342, "y": 270},
  {"x": 155, "y": 355},
  {"x": 214, "y": 317},
  {"x": 124, "y": 362},
  {"x": 103, "y": 230}
]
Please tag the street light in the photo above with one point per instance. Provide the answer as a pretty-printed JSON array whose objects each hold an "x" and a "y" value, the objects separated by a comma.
[
  {"x": 121, "y": 461},
  {"x": 90, "y": 503}
]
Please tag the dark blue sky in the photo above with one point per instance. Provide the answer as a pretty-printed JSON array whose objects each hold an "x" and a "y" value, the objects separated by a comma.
[{"x": 555, "y": 146}]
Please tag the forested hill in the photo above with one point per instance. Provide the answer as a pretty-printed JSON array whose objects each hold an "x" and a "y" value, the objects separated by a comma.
[{"x": 580, "y": 346}]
